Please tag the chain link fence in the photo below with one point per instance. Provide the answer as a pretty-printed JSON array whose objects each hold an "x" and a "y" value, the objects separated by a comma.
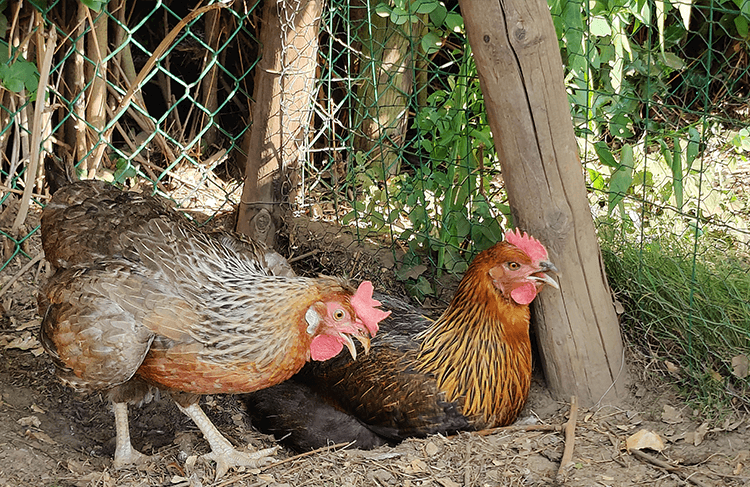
[{"x": 394, "y": 145}]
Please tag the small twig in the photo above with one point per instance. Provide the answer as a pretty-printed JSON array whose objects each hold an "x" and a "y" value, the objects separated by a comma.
[
  {"x": 36, "y": 130},
  {"x": 286, "y": 460},
  {"x": 311, "y": 452},
  {"x": 18, "y": 275},
  {"x": 303, "y": 256},
  {"x": 521, "y": 427},
  {"x": 20, "y": 191},
  {"x": 570, "y": 440},
  {"x": 666, "y": 466}
]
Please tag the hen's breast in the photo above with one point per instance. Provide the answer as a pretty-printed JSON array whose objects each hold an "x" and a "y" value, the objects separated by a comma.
[{"x": 182, "y": 368}]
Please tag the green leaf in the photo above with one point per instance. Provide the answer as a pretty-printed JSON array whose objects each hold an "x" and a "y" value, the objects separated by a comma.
[
  {"x": 463, "y": 225},
  {"x": 605, "y": 155},
  {"x": 19, "y": 75},
  {"x": 410, "y": 272},
  {"x": 399, "y": 16},
  {"x": 693, "y": 148},
  {"x": 123, "y": 170},
  {"x": 95, "y": 5},
  {"x": 3, "y": 26},
  {"x": 622, "y": 177},
  {"x": 677, "y": 173},
  {"x": 454, "y": 22},
  {"x": 424, "y": 6},
  {"x": 740, "y": 23},
  {"x": 454, "y": 262},
  {"x": 383, "y": 10},
  {"x": 597, "y": 181},
  {"x": 744, "y": 7},
  {"x": 620, "y": 125},
  {"x": 599, "y": 27},
  {"x": 40, "y": 5},
  {"x": 418, "y": 215},
  {"x": 673, "y": 61},
  {"x": 421, "y": 288},
  {"x": 431, "y": 43},
  {"x": 10, "y": 83},
  {"x": 437, "y": 16}
]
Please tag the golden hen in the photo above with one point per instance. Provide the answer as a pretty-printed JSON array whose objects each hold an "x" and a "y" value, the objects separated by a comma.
[
  {"x": 469, "y": 369},
  {"x": 142, "y": 298}
]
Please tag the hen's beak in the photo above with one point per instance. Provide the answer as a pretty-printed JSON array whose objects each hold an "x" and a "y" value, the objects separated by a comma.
[
  {"x": 541, "y": 276},
  {"x": 361, "y": 338}
]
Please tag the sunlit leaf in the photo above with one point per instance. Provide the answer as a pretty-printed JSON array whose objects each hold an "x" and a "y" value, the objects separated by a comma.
[
  {"x": 605, "y": 155},
  {"x": 431, "y": 43},
  {"x": 621, "y": 178},
  {"x": 684, "y": 7}
]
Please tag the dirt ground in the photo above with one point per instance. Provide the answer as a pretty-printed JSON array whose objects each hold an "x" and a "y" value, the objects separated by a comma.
[{"x": 51, "y": 436}]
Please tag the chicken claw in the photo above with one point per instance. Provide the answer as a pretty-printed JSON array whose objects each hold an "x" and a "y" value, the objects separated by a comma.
[
  {"x": 231, "y": 457},
  {"x": 125, "y": 454},
  {"x": 222, "y": 452}
]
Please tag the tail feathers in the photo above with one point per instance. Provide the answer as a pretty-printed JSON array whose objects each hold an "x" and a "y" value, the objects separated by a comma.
[{"x": 59, "y": 172}]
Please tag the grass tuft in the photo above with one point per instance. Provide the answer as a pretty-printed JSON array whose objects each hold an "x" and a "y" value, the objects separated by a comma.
[{"x": 691, "y": 312}]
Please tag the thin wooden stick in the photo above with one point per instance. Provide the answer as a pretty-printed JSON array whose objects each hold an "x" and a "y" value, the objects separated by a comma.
[
  {"x": 20, "y": 273},
  {"x": 303, "y": 256},
  {"x": 666, "y": 466},
  {"x": 136, "y": 85},
  {"x": 20, "y": 191},
  {"x": 521, "y": 427},
  {"x": 311, "y": 452},
  {"x": 570, "y": 440},
  {"x": 36, "y": 131}
]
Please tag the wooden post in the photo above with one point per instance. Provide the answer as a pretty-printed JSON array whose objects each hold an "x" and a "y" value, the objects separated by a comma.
[
  {"x": 520, "y": 71},
  {"x": 284, "y": 90}
]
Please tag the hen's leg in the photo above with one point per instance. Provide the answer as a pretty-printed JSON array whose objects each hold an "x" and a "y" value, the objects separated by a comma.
[
  {"x": 125, "y": 454},
  {"x": 222, "y": 452}
]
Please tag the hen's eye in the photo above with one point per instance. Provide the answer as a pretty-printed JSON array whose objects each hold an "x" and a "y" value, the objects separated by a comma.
[
  {"x": 339, "y": 314},
  {"x": 514, "y": 266}
]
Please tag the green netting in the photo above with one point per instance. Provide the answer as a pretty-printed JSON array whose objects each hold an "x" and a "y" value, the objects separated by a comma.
[{"x": 395, "y": 143}]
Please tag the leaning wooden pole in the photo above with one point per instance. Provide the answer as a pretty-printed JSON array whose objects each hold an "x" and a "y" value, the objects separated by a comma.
[
  {"x": 282, "y": 113},
  {"x": 520, "y": 71}
]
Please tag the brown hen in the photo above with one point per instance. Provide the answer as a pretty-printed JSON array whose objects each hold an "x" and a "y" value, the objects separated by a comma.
[
  {"x": 469, "y": 369},
  {"x": 142, "y": 298}
]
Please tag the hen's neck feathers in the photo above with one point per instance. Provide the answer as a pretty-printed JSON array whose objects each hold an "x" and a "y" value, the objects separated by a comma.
[{"x": 479, "y": 349}]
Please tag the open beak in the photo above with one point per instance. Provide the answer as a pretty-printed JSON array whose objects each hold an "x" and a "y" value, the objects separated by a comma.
[
  {"x": 541, "y": 276},
  {"x": 363, "y": 338}
]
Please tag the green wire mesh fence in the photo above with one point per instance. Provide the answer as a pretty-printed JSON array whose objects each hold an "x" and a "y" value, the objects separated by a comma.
[
  {"x": 395, "y": 145},
  {"x": 659, "y": 98}
]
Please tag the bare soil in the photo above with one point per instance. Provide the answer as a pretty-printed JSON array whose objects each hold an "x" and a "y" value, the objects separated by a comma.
[{"x": 51, "y": 436}]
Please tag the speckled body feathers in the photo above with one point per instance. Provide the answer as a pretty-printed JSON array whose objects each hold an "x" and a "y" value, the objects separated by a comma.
[{"x": 139, "y": 291}]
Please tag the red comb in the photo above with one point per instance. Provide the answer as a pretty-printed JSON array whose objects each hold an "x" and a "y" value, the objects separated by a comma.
[
  {"x": 365, "y": 307},
  {"x": 528, "y": 244}
]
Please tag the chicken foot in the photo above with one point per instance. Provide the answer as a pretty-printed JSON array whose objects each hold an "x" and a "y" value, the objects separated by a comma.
[
  {"x": 222, "y": 451},
  {"x": 125, "y": 454}
]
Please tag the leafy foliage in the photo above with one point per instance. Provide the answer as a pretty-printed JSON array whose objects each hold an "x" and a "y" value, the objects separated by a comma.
[
  {"x": 444, "y": 205},
  {"x": 17, "y": 74}
]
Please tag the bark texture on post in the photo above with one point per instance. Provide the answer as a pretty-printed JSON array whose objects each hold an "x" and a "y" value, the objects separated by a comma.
[
  {"x": 281, "y": 113},
  {"x": 520, "y": 71}
]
